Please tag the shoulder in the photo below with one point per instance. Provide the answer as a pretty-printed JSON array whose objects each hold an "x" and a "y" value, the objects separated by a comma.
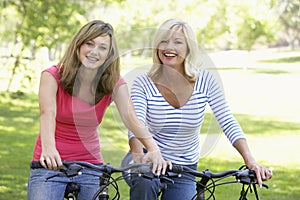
[
  {"x": 208, "y": 74},
  {"x": 142, "y": 80},
  {"x": 207, "y": 79},
  {"x": 121, "y": 81},
  {"x": 53, "y": 70}
]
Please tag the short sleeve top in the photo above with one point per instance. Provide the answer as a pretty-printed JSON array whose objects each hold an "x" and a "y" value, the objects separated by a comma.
[{"x": 76, "y": 131}]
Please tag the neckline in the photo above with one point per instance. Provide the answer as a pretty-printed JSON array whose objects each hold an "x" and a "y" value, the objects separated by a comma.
[{"x": 157, "y": 92}]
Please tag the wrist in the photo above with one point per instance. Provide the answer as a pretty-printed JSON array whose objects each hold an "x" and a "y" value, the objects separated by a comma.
[
  {"x": 250, "y": 161},
  {"x": 150, "y": 145}
]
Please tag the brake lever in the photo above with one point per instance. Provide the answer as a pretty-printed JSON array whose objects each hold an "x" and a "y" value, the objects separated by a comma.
[
  {"x": 248, "y": 177},
  {"x": 166, "y": 179}
]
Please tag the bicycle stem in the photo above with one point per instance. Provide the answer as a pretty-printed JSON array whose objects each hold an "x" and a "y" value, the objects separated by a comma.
[
  {"x": 103, "y": 187},
  {"x": 201, "y": 185}
]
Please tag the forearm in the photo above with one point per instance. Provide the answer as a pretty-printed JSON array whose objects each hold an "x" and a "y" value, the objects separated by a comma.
[
  {"x": 242, "y": 147},
  {"x": 135, "y": 145},
  {"x": 47, "y": 105},
  {"x": 47, "y": 130},
  {"x": 262, "y": 173},
  {"x": 130, "y": 119},
  {"x": 142, "y": 135}
]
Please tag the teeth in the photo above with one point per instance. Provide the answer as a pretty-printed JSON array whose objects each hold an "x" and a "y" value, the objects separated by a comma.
[
  {"x": 92, "y": 59},
  {"x": 170, "y": 54}
]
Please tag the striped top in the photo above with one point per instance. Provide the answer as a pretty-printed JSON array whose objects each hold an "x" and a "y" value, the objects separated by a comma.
[{"x": 177, "y": 130}]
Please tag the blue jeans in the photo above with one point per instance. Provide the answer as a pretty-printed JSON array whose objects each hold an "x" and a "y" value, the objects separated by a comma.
[
  {"x": 45, "y": 184},
  {"x": 184, "y": 187}
]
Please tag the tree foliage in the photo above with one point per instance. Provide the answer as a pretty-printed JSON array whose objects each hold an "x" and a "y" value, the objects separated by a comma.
[
  {"x": 39, "y": 24},
  {"x": 29, "y": 25},
  {"x": 289, "y": 15}
]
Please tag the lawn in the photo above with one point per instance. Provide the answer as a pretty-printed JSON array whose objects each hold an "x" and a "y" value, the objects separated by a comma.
[{"x": 273, "y": 132}]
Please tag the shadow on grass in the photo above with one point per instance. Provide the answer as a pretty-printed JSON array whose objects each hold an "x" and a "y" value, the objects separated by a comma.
[
  {"x": 270, "y": 71},
  {"x": 258, "y": 125},
  {"x": 292, "y": 59},
  {"x": 262, "y": 125},
  {"x": 256, "y": 70}
]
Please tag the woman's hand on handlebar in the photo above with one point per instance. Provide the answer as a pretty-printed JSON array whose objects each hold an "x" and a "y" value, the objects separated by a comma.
[
  {"x": 153, "y": 155},
  {"x": 261, "y": 172},
  {"x": 159, "y": 165},
  {"x": 51, "y": 159}
]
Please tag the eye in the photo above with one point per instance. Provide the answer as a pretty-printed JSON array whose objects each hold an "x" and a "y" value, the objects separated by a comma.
[
  {"x": 178, "y": 42},
  {"x": 163, "y": 42},
  {"x": 103, "y": 47},
  {"x": 90, "y": 44}
]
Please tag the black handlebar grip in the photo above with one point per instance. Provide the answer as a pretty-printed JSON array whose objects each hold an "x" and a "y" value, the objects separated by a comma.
[
  {"x": 35, "y": 165},
  {"x": 177, "y": 169}
]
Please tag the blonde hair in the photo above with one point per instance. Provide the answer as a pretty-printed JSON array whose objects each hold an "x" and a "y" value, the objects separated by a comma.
[
  {"x": 108, "y": 74},
  {"x": 191, "y": 61}
]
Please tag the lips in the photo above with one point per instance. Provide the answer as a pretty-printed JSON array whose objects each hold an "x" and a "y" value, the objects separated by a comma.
[
  {"x": 92, "y": 59},
  {"x": 170, "y": 54}
]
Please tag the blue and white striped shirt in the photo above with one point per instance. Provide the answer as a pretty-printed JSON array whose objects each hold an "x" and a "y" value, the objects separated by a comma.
[{"x": 177, "y": 130}]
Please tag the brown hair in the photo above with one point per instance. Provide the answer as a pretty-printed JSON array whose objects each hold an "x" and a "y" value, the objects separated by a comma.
[{"x": 108, "y": 74}]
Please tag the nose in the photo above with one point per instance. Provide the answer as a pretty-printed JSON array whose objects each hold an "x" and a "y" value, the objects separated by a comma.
[
  {"x": 169, "y": 45},
  {"x": 94, "y": 50}
]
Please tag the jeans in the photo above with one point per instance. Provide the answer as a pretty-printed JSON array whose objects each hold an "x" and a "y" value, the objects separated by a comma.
[
  {"x": 184, "y": 188},
  {"x": 45, "y": 184}
]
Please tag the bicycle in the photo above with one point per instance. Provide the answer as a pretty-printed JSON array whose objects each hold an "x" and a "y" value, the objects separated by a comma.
[
  {"x": 70, "y": 169},
  {"x": 207, "y": 183}
]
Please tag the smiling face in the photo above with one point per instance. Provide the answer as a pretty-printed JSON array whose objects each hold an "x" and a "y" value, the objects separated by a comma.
[
  {"x": 173, "y": 49},
  {"x": 93, "y": 53}
]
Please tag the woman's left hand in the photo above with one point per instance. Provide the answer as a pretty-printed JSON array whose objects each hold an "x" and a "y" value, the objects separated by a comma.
[{"x": 262, "y": 173}]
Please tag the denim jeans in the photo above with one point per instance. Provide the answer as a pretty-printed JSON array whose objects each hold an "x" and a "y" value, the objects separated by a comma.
[
  {"x": 184, "y": 188},
  {"x": 45, "y": 184}
]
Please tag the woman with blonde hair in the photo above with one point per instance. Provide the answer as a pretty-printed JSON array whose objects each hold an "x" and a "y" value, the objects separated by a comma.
[{"x": 171, "y": 100}]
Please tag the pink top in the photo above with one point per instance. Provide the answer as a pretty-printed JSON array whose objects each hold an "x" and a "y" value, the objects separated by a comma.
[{"x": 76, "y": 133}]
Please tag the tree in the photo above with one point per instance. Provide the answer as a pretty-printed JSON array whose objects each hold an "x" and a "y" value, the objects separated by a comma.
[
  {"x": 51, "y": 23},
  {"x": 289, "y": 16},
  {"x": 248, "y": 33},
  {"x": 41, "y": 24},
  {"x": 216, "y": 27}
]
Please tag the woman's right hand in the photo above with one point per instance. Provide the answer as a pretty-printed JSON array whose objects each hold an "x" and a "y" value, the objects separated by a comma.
[
  {"x": 51, "y": 159},
  {"x": 159, "y": 165}
]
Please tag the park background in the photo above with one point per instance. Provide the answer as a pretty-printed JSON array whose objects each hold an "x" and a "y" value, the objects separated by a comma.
[{"x": 252, "y": 45}]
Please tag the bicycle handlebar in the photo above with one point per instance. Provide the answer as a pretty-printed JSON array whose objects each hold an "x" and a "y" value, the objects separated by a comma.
[
  {"x": 78, "y": 165},
  {"x": 146, "y": 168},
  {"x": 246, "y": 176},
  {"x": 207, "y": 173}
]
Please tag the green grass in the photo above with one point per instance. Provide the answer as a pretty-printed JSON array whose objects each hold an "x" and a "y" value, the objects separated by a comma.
[
  {"x": 18, "y": 129},
  {"x": 291, "y": 59},
  {"x": 19, "y": 124}
]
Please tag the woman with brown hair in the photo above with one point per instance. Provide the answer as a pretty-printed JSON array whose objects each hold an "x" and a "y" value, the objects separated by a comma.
[{"x": 73, "y": 97}]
